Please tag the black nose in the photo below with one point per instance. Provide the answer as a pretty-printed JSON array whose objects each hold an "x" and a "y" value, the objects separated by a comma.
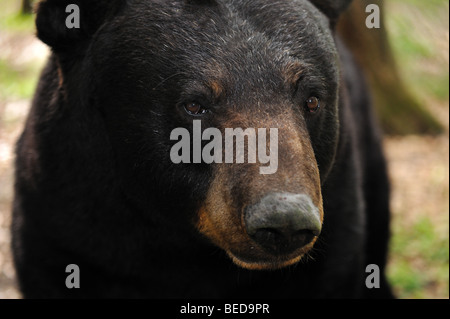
[{"x": 283, "y": 222}]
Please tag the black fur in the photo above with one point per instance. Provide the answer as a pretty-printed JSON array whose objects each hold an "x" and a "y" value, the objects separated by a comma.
[{"x": 94, "y": 182}]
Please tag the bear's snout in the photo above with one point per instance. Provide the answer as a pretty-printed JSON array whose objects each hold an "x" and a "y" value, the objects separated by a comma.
[{"x": 283, "y": 222}]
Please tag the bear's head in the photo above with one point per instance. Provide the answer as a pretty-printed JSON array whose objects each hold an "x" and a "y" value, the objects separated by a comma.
[{"x": 267, "y": 71}]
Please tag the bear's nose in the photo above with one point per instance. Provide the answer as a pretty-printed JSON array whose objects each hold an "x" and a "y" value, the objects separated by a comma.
[{"x": 283, "y": 222}]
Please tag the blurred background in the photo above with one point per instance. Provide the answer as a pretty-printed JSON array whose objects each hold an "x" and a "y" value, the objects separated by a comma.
[{"x": 407, "y": 65}]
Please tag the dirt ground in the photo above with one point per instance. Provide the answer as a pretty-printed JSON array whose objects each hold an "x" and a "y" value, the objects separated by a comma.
[{"x": 418, "y": 165}]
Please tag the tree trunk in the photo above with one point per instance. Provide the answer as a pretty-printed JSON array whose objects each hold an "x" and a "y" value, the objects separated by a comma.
[
  {"x": 27, "y": 7},
  {"x": 399, "y": 112}
]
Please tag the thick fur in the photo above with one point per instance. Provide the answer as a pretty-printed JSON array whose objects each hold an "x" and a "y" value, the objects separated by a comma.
[{"x": 94, "y": 182}]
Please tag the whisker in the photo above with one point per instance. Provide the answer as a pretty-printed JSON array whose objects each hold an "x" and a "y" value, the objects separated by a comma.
[{"x": 166, "y": 79}]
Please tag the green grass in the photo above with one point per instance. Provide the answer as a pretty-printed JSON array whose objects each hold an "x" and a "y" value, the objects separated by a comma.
[
  {"x": 17, "y": 23},
  {"x": 419, "y": 259},
  {"x": 17, "y": 82},
  {"x": 417, "y": 32}
]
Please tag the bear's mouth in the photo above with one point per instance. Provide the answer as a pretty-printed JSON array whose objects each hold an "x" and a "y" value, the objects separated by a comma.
[
  {"x": 264, "y": 264},
  {"x": 252, "y": 256}
]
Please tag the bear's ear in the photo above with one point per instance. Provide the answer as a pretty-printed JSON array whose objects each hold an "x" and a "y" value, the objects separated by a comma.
[
  {"x": 332, "y": 8},
  {"x": 63, "y": 24}
]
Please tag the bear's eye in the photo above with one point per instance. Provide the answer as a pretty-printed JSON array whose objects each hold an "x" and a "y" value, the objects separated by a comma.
[
  {"x": 194, "y": 108},
  {"x": 312, "y": 104}
]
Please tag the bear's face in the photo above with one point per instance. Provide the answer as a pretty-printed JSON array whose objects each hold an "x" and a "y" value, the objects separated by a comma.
[{"x": 157, "y": 66}]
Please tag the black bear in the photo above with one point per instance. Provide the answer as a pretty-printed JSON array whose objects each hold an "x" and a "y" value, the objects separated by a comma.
[{"x": 103, "y": 183}]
